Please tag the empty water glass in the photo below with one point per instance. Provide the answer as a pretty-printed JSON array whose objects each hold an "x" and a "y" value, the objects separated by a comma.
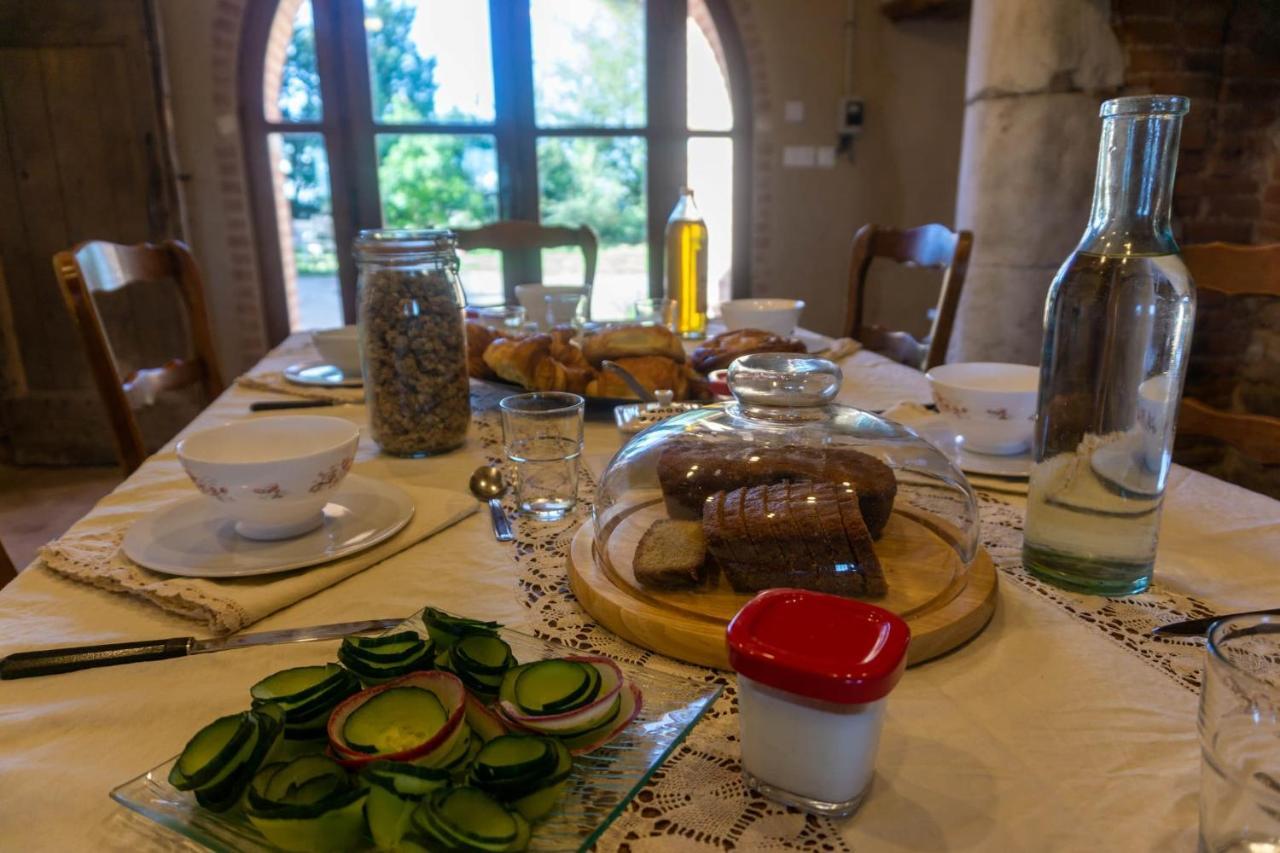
[
  {"x": 1240, "y": 736},
  {"x": 508, "y": 319},
  {"x": 565, "y": 308},
  {"x": 542, "y": 435},
  {"x": 656, "y": 312}
]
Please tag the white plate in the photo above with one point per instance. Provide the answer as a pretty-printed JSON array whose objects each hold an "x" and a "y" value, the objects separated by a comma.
[
  {"x": 320, "y": 374},
  {"x": 938, "y": 433},
  {"x": 191, "y": 539}
]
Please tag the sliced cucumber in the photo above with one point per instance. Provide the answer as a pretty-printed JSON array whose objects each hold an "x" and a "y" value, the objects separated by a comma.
[
  {"x": 485, "y": 724},
  {"x": 547, "y": 686},
  {"x": 528, "y": 773},
  {"x": 295, "y": 686},
  {"x": 305, "y": 780},
  {"x": 334, "y": 824},
  {"x": 405, "y": 779},
  {"x": 207, "y": 754},
  {"x": 395, "y": 720},
  {"x": 226, "y": 789},
  {"x": 389, "y": 816},
  {"x": 469, "y": 819},
  {"x": 482, "y": 654},
  {"x": 389, "y": 648},
  {"x": 446, "y": 629}
]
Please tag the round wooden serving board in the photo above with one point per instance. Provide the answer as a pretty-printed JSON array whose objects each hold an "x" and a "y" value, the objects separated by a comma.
[{"x": 927, "y": 586}]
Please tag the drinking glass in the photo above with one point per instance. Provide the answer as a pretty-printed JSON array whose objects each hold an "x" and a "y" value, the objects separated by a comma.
[
  {"x": 656, "y": 312},
  {"x": 565, "y": 308},
  {"x": 542, "y": 436},
  {"x": 502, "y": 318},
  {"x": 1239, "y": 727}
]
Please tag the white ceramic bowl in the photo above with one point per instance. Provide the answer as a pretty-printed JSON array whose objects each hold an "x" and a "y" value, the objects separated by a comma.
[
  {"x": 780, "y": 316},
  {"x": 339, "y": 347},
  {"x": 533, "y": 298},
  {"x": 990, "y": 404},
  {"x": 272, "y": 475}
]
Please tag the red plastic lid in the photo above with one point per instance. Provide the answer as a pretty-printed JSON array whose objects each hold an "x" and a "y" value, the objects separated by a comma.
[{"x": 818, "y": 645}]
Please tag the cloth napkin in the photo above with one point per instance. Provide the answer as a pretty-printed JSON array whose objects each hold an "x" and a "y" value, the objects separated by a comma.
[
  {"x": 90, "y": 551},
  {"x": 274, "y": 382}
]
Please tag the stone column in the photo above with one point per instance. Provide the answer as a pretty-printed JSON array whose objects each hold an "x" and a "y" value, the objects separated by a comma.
[{"x": 1037, "y": 71}]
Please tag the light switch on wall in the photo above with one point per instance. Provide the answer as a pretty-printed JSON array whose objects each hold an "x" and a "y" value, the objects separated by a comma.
[
  {"x": 793, "y": 112},
  {"x": 799, "y": 157}
]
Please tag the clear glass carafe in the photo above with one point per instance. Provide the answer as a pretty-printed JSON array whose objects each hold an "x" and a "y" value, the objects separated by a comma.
[{"x": 1118, "y": 322}]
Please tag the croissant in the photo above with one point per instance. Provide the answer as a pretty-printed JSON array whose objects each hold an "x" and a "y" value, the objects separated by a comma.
[
  {"x": 478, "y": 339},
  {"x": 632, "y": 341},
  {"x": 721, "y": 350},
  {"x": 539, "y": 364}
]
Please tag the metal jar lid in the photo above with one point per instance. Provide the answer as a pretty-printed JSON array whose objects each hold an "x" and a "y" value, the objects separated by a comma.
[{"x": 404, "y": 245}]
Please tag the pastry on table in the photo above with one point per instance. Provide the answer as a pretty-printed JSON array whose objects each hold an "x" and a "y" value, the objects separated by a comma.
[
  {"x": 792, "y": 534},
  {"x": 719, "y": 352},
  {"x": 479, "y": 337},
  {"x": 532, "y": 363},
  {"x": 671, "y": 555},
  {"x": 691, "y": 469},
  {"x": 654, "y": 372},
  {"x": 632, "y": 341}
]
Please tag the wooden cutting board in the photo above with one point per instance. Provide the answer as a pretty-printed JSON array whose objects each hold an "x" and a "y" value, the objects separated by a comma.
[{"x": 944, "y": 605}]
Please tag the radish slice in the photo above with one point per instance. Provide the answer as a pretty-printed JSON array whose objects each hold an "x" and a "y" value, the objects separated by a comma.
[
  {"x": 447, "y": 688},
  {"x": 632, "y": 702},
  {"x": 578, "y": 718}
]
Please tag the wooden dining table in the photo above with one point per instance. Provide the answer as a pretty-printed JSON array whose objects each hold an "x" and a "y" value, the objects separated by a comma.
[{"x": 1064, "y": 725}]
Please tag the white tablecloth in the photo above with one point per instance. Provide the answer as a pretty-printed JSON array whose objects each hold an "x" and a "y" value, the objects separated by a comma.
[{"x": 1059, "y": 728}]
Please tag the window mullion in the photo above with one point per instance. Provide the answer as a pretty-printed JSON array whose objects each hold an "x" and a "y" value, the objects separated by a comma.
[
  {"x": 517, "y": 154},
  {"x": 348, "y": 166},
  {"x": 666, "y": 99}
]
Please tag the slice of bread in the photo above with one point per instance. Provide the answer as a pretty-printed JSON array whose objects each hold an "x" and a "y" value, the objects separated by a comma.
[{"x": 672, "y": 554}]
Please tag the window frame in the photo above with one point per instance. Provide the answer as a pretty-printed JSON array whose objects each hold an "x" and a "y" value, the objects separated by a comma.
[{"x": 350, "y": 136}]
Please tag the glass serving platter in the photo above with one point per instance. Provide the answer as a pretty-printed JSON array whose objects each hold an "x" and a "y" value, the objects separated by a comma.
[{"x": 602, "y": 783}]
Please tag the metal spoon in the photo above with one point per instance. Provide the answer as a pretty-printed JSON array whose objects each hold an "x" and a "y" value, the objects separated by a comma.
[
  {"x": 634, "y": 384},
  {"x": 487, "y": 485}
]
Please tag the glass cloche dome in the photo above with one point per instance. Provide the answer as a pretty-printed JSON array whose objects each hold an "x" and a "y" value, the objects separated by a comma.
[{"x": 781, "y": 487}]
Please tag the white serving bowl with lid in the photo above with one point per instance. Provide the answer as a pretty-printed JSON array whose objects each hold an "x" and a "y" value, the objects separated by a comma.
[{"x": 272, "y": 475}]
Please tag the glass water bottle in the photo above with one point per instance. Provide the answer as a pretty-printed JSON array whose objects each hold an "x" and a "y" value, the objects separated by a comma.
[
  {"x": 1117, "y": 329},
  {"x": 686, "y": 266}
]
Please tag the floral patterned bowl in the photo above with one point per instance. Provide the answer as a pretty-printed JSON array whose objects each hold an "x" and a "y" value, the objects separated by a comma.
[
  {"x": 272, "y": 475},
  {"x": 990, "y": 405}
]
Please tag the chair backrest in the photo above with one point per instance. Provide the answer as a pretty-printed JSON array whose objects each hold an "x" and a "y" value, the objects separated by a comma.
[
  {"x": 519, "y": 235},
  {"x": 99, "y": 267},
  {"x": 1229, "y": 281},
  {"x": 931, "y": 246},
  {"x": 7, "y": 571}
]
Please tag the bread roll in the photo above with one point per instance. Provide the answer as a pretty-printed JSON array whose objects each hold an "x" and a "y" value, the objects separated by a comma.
[
  {"x": 655, "y": 373},
  {"x": 618, "y": 342}
]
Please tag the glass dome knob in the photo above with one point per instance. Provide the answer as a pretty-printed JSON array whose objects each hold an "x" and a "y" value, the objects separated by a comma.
[{"x": 784, "y": 380}]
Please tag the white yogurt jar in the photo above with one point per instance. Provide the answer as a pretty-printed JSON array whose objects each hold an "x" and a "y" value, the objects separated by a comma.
[{"x": 814, "y": 673}]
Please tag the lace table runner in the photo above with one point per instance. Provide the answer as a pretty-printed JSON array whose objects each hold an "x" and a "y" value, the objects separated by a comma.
[{"x": 697, "y": 799}]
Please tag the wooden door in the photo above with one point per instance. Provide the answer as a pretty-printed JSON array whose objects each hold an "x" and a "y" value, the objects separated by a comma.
[{"x": 84, "y": 154}]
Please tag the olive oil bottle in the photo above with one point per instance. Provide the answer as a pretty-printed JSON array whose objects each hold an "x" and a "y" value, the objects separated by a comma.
[{"x": 685, "y": 274}]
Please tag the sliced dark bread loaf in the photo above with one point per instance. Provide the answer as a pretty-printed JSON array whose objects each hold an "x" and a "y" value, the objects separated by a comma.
[{"x": 671, "y": 554}]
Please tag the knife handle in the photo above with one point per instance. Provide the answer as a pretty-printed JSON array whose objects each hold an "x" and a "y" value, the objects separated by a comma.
[
  {"x": 51, "y": 661},
  {"x": 275, "y": 405}
]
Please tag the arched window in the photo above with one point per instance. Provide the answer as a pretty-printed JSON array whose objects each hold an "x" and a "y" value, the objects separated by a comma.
[{"x": 367, "y": 113}]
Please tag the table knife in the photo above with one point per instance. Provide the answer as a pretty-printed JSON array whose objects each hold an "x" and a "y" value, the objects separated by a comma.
[
  {"x": 276, "y": 405},
  {"x": 1198, "y": 627},
  {"x": 51, "y": 661}
]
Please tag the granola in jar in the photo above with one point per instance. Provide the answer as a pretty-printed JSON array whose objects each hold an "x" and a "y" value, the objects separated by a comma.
[{"x": 413, "y": 341}]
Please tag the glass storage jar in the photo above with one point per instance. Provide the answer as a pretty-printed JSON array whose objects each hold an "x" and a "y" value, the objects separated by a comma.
[
  {"x": 783, "y": 488},
  {"x": 413, "y": 340}
]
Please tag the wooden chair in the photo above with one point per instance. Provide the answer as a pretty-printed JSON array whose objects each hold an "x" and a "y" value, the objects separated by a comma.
[
  {"x": 930, "y": 246},
  {"x": 1223, "y": 274},
  {"x": 99, "y": 267},
  {"x": 7, "y": 571},
  {"x": 513, "y": 235}
]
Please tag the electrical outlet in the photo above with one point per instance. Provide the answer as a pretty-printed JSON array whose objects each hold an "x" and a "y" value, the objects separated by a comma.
[{"x": 849, "y": 119}]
